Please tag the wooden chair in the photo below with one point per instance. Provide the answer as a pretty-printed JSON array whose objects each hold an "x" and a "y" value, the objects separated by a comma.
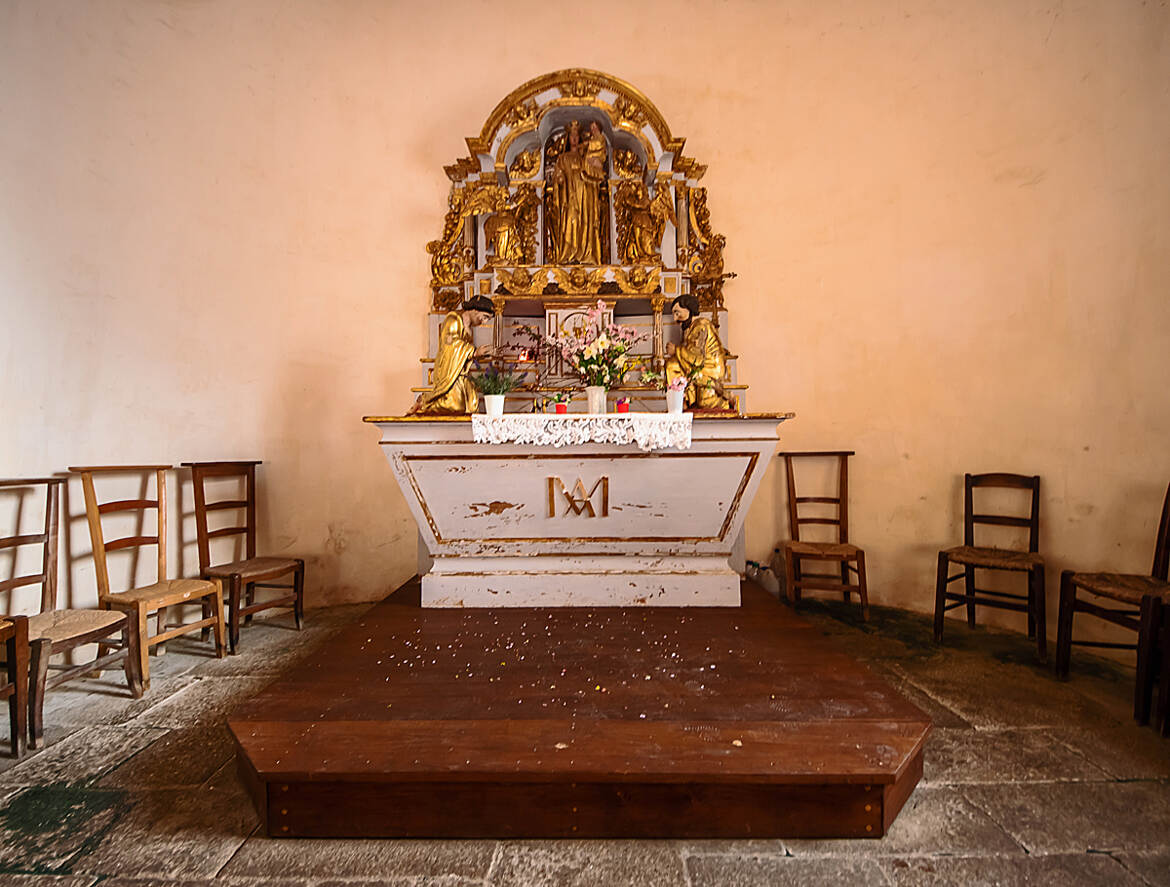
[
  {"x": 1146, "y": 594},
  {"x": 243, "y": 577},
  {"x": 970, "y": 557},
  {"x": 138, "y": 603},
  {"x": 796, "y": 551},
  {"x": 14, "y": 640},
  {"x": 52, "y": 631}
]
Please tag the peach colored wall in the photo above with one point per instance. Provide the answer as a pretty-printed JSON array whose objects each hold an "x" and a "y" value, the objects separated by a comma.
[{"x": 950, "y": 221}]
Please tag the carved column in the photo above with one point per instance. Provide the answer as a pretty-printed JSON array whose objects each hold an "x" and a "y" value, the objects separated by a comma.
[
  {"x": 657, "y": 302},
  {"x": 498, "y": 302}
]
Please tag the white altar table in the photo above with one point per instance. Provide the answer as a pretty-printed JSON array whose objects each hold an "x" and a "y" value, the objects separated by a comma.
[{"x": 589, "y": 523}]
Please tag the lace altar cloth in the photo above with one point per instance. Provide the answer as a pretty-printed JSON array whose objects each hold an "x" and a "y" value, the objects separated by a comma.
[{"x": 650, "y": 431}]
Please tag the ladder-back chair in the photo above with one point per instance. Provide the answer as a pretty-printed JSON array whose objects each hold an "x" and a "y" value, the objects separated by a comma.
[
  {"x": 138, "y": 603},
  {"x": 971, "y": 557},
  {"x": 1146, "y": 596},
  {"x": 794, "y": 552},
  {"x": 52, "y": 631},
  {"x": 244, "y": 576}
]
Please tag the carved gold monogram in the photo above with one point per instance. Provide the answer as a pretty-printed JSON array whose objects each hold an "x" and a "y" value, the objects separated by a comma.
[{"x": 578, "y": 500}]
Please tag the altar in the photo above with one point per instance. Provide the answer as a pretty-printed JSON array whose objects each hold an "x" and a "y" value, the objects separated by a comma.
[{"x": 585, "y": 514}]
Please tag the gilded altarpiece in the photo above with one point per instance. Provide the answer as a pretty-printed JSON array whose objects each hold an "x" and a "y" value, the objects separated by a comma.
[{"x": 576, "y": 190}]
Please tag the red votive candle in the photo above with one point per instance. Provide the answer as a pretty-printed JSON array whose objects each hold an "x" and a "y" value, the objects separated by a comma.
[
  {"x": 562, "y": 407},
  {"x": 623, "y": 407}
]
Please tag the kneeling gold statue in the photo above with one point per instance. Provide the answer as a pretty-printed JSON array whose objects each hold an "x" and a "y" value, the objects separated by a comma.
[
  {"x": 452, "y": 390},
  {"x": 699, "y": 358}
]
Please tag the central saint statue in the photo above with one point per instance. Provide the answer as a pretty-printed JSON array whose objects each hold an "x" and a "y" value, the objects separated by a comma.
[{"x": 573, "y": 204}]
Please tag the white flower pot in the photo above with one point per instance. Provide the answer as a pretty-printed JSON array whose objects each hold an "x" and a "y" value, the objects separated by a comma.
[
  {"x": 595, "y": 394},
  {"x": 493, "y": 404},
  {"x": 674, "y": 401}
]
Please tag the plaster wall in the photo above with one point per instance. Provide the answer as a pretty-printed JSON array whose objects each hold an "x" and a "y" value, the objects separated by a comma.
[{"x": 950, "y": 221}]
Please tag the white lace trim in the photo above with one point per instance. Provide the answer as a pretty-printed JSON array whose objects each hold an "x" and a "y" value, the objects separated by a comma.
[{"x": 650, "y": 431}]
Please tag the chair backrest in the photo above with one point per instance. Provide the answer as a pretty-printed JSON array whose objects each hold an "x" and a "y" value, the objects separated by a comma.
[
  {"x": 246, "y": 507},
  {"x": 1009, "y": 481},
  {"x": 841, "y": 500},
  {"x": 94, "y": 511},
  {"x": 48, "y": 575},
  {"x": 1162, "y": 543}
]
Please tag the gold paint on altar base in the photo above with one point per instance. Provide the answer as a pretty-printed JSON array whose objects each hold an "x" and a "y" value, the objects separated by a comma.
[{"x": 579, "y": 501}]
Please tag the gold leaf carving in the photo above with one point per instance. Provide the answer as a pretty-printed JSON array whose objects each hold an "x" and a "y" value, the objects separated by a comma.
[
  {"x": 637, "y": 279},
  {"x": 579, "y": 280}
]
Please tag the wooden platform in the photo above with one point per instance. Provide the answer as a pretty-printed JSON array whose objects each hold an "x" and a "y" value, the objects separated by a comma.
[{"x": 743, "y": 722}]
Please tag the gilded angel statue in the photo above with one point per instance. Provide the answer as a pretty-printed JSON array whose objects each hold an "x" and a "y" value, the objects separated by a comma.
[{"x": 641, "y": 220}]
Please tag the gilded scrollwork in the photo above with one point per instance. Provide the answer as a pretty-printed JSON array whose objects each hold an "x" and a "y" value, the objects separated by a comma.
[
  {"x": 579, "y": 280},
  {"x": 522, "y": 281},
  {"x": 629, "y": 111},
  {"x": 580, "y": 86},
  {"x": 521, "y": 114},
  {"x": 637, "y": 279},
  {"x": 626, "y": 163},
  {"x": 525, "y": 165}
]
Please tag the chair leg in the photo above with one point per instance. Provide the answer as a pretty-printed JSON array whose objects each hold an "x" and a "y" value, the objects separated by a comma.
[
  {"x": 796, "y": 580},
  {"x": 234, "y": 587},
  {"x": 1147, "y": 637},
  {"x": 16, "y": 661},
  {"x": 299, "y": 594},
  {"x": 40, "y": 650},
  {"x": 789, "y": 578},
  {"x": 131, "y": 664},
  {"x": 142, "y": 627},
  {"x": 940, "y": 596},
  {"x": 1064, "y": 623},
  {"x": 969, "y": 583},
  {"x": 1162, "y": 718},
  {"x": 205, "y": 631},
  {"x": 249, "y": 599},
  {"x": 862, "y": 586},
  {"x": 217, "y": 606},
  {"x": 1037, "y": 612},
  {"x": 161, "y": 625},
  {"x": 845, "y": 580}
]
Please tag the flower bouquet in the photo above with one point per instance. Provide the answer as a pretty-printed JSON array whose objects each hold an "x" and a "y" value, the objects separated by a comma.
[{"x": 598, "y": 351}]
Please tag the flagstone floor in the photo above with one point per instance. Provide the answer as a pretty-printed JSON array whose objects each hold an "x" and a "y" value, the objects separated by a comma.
[{"x": 1027, "y": 781}]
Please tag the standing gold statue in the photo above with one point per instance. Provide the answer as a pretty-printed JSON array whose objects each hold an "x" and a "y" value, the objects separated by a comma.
[
  {"x": 573, "y": 205},
  {"x": 452, "y": 390},
  {"x": 642, "y": 221},
  {"x": 699, "y": 358}
]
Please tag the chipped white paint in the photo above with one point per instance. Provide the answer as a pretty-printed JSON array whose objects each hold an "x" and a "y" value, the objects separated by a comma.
[{"x": 660, "y": 531}]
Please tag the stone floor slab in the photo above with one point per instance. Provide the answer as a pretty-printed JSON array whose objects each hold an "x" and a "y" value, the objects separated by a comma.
[
  {"x": 92, "y": 701},
  {"x": 204, "y": 701},
  {"x": 1076, "y": 817},
  {"x": 1152, "y": 868},
  {"x": 322, "y": 859},
  {"x": 83, "y": 757},
  {"x": 46, "y": 880},
  {"x": 1034, "y": 871},
  {"x": 935, "y": 821},
  {"x": 172, "y": 834},
  {"x": 44, "y": 829},
  {"x": 993, "y": 696},
  {"x": 588, "y": 863},
  {"x": 775, "y": 871},
  {"x": 996, "y": 756},
  {"x": 1124, "y": 752},
  {"x": 175, "y": 759}
]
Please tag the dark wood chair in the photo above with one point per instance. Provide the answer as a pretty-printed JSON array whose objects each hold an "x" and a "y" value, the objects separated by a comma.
[
  {"x": 1144, "y": 597},
  {"x": 160, "y": 596},
  {"x": 796, "y": 551},
  {"x": 53, "y": 632},
  {"x": 14, "y": 642},
  {"x": 971, "y": 557},
  {"x": 244, "y": 576}
]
